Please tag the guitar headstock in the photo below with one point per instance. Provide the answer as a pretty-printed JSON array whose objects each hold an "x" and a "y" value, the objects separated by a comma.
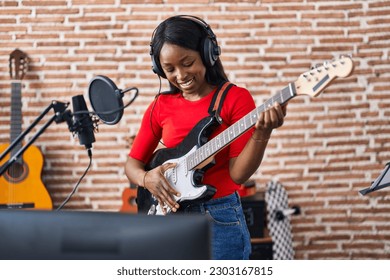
[
  {"x": 317, "y": 79},
  {"x": 18, "y": 63}
]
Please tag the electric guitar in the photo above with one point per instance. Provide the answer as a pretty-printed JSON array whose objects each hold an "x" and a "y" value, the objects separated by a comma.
[
  {"x": 194, "y": 154},
  {"x": 21, "y": 185}
]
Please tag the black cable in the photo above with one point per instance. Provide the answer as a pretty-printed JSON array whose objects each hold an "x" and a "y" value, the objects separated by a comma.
[
  {"x": 151, "y": 112},
  {"x": 78, "y": 182}
]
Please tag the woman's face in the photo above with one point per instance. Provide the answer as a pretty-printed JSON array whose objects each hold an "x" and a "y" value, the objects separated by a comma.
[{"x": 185, "y": 70}]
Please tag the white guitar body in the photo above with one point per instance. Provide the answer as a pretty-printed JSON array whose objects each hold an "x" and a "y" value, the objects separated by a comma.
[{"x": 181, "y": 179}]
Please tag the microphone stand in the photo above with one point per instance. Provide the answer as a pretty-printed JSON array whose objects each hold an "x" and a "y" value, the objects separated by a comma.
[{"x": 61, "y": 114}]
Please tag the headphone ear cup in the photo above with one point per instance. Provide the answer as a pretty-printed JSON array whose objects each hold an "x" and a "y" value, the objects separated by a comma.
[
  {"x": 156, "y": 67},
  {"x": 211, "y": 52}
]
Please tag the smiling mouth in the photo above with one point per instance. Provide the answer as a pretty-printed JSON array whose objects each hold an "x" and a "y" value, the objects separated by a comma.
[{"x": 186, "y": 84}]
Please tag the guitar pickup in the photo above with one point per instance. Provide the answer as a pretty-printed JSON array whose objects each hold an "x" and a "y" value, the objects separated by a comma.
[{"x": 171, "y": 175}]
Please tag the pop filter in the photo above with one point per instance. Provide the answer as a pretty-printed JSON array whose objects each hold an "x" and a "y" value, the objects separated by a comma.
[{"x": 106, "y": 99}]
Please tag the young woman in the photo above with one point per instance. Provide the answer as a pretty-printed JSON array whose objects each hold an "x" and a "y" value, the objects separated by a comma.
[{"x": 184, "y": 50}]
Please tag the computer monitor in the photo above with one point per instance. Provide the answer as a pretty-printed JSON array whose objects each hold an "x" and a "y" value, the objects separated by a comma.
[{"x": 66, "y": 235}]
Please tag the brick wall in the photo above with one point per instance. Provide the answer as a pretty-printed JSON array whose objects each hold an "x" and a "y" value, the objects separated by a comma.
[{"x": 329, "y": 148}]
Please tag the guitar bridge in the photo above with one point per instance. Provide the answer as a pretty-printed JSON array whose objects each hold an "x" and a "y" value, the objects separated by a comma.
[{"x": 17, "y": 205}]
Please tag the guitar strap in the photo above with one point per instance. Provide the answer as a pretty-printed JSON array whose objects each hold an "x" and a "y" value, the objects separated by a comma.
[{"x": 218, "y": 98}]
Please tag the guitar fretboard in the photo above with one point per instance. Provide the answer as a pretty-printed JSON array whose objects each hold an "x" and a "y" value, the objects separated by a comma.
[
  {"x": 16, "y": 114},
  {"x": 237, "y": 129}
]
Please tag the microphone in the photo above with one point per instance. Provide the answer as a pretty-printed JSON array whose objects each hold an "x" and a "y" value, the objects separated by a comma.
[
  {"x": 82, "y": 123},
  {"x": 107, "y": 104}
]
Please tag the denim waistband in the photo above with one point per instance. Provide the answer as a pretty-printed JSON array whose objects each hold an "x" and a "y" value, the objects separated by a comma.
[{"x": 218, "y": 203}]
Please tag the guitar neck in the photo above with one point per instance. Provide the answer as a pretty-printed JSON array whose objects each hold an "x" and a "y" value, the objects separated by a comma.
[
  {"x": 16, "y": 110},
  {"x": 237, "y": 129},
  {"x": 16, "y": 113}
]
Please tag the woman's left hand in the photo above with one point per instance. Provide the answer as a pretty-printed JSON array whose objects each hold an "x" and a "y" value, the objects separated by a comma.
[{"x": 270, "y": 119}]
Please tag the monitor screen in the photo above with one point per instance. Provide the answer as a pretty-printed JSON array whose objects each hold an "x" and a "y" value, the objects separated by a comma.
[{"x": 102, "y": 235}]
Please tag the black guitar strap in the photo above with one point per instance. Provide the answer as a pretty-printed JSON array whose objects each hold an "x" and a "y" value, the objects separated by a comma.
[{"x": 218, "y": 98}]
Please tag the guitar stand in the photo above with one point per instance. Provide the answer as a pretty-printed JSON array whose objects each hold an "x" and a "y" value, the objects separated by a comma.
[
  {"x": 61, "y": 114},
  {"x": 281, "y": 214}
]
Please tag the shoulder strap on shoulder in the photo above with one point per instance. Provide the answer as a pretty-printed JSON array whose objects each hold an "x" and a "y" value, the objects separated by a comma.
[{"x": 218, "y": 98}]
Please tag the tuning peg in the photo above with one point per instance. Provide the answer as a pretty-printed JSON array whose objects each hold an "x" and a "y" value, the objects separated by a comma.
[
  {"x": 306, "y": 77},
  {"x": 318, "y": 67},
  {"x": 315, "y": 68},
  {"x": 345, "y": 55},
  {"x": 333, "y": 63},
  {"x": 326, "y": 65}
]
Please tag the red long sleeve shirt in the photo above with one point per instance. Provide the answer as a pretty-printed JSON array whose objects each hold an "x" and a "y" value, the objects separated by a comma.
[{"x": 171, "y": 117}]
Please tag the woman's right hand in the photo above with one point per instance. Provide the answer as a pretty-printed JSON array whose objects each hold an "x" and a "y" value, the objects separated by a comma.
[{"x": 160, "y": 188}]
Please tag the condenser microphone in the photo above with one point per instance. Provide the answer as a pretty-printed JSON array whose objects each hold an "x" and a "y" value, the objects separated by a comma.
[{"x": 83, "y": 125}]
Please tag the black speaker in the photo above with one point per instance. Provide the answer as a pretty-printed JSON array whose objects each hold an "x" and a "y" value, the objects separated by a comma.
[
  {"x": 261, "y": 251},
  {"x": 254, "y": 211},
  {"x": 254, "y": 208}
]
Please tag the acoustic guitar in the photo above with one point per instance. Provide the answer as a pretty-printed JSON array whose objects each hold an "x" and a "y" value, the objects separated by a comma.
[
  {"x": 21, "y": 186},
  {"x": 129, "y": 196}
]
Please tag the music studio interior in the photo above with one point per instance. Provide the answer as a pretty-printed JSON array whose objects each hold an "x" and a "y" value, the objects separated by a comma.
[{"x": 75, "y": 80}]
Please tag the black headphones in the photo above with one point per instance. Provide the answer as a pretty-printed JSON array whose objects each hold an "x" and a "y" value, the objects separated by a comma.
[{"x": 210, "y": 51}]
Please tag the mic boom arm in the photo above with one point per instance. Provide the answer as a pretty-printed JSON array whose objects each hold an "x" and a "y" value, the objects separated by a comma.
[{"x": 59, "y": 109}]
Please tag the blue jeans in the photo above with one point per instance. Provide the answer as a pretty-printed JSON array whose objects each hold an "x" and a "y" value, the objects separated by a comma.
[{"x": 230, "y": 236}]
